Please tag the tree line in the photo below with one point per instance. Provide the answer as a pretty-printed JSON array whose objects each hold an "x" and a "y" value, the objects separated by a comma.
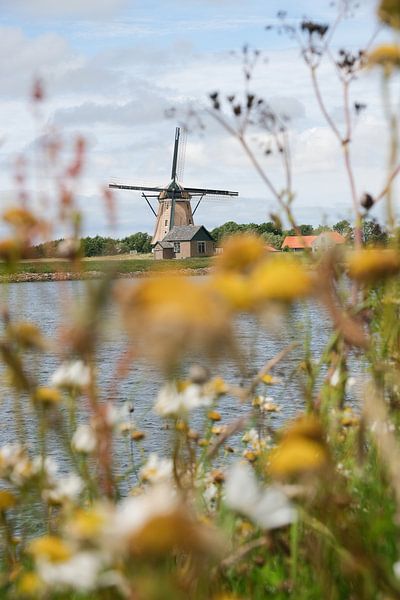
[
  {"x": 274, "y": 235},
  {"x": 98, "y": 245}
]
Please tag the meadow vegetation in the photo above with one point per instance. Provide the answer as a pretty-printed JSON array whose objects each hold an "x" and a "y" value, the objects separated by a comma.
[{"x": 231, "y": 509}]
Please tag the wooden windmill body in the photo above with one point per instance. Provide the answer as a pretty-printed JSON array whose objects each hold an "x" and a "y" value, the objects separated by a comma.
[{"x": 174, "y": 201}]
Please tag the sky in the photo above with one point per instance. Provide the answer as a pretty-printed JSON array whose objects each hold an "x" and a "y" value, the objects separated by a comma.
[{"x": 111, "y": 69}]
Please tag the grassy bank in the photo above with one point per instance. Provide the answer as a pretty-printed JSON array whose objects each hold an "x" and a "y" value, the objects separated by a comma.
[{"x": 124, "y": 265}]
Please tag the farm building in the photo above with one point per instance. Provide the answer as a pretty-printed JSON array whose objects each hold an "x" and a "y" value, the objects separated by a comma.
[
  {"x": 186, "y": 241},
  {"x": 323, "y": 241}
]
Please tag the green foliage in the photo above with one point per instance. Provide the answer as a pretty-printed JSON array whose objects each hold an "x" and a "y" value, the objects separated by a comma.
[
  {"x": 373, "y": 233},
  {"x": 99, "y": 246},
  {"x": 344, "y": 228},
  {"x": 137, "y": 242}
]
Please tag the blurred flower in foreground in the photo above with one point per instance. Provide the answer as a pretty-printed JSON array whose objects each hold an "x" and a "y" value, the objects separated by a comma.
[
  {"x": 300, "y": 450},
  {"x": 280, "y": 279},
  {"x": 234, "y": 289},
  {"x": 156, "y": 523},
  {"x": 373, "y": 264},
  {"x": 176, "y": 398},
  {"x": 46, "y": 396},
  {"x": 156, "y": 469},
  {"x": 241, "y": 253},
  {"x": 19, "y": 218},
  {"x": 15, "y": 464},
  {"x": 59, "y": 567},
  {"x": 386, "y": 56},
  {"x": 268, "y": 507},
  {"x": 255, "y": 443},
  {"x": 64, "y": 490},
  {"x": 71, "y": 375},
  {"x": 389, "y": 12},
  {"x": 84, "y": 439},
  {"x": 27, "y": 335},
  {"x": 80, "y": 572},
  {"x": 169, "y": 317}
]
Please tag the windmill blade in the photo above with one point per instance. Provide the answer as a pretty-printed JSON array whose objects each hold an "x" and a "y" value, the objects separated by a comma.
[
  {"x": 175, "y": 158},
  {"x": 210, "y": 192},
  {"x": 181, "y": 155},
  {"x": 139, "y": 188}
]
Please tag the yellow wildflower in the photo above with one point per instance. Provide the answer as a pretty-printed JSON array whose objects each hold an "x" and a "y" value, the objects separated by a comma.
[
  {"x": 268, "y": 379},
  {"x": 301, "y": 449},
  {"x": 27, "y": 335},
  {"x": 170, "y": 316},
  {"x": 47, "y": 396},
  {"x": 295, "y": 455},
  {"x": 87, "y": 524},
  {"x": 250, "y": 455},
  {"x": 203, "y": 443},
  {"x": 51, "y": 548},
  {"x": 10, "y": 250},
  {"x": 241, "y": 253},
  {"x": 373, "y": 264},
  {"x": 214, "y": 415},
  {"x": 386, "y": 56},
  {"x": 181, "y": 425},
  {"x": 137, "y": 436},
  {"x": 389, "y": 13},
  {"x": 218, "y": 429},
  {"x": 234, "y": 290},
  {"x": 19, "y": 217},
  {"x": 281, "y": 280},
  {"x": 182, "y": 384},
  {"x": 7, "y": 500},
  {"x": 29, "y": 585},
  {"x": 305, "y": 426},
  {"x": 216, "y": 386}
]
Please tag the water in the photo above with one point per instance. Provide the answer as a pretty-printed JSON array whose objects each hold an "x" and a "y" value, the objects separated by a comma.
[{"x": 49, "y": 304}]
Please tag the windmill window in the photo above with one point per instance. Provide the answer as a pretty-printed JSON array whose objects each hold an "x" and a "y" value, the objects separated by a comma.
[
  {"x": 201, "y": 247},
  {"x": 177, "y": 247},
  {"x": 166, "y": 222}
]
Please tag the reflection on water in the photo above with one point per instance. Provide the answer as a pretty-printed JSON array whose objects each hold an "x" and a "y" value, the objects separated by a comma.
[{"x": 49, "y": 304}]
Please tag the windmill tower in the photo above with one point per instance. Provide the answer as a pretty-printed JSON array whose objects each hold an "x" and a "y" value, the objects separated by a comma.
[{"x": 174, "y": 201}]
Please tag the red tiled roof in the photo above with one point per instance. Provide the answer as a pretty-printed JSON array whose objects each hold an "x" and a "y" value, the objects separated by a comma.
[
  {"x": 335, "y": 236},
  {"x": 297, "y": 241},
  {"x": 306, "y": 241}
]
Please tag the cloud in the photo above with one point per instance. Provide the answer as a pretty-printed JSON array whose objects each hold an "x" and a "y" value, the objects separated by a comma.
[
  {"x": 112, "y": 79},
  {"x": 23, "y": 58},
  {"x": 69, "y": 8},
  {"x": 285, "y": 106},
  {"x": 148, "y": 107}
]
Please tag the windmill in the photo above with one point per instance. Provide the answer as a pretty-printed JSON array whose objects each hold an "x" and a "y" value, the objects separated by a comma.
[{"x": 174, "y": 200}]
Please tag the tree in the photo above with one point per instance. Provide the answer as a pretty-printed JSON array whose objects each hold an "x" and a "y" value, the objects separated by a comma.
[
  {"x": 344, "y": 228},
  {"x": 138, "y": 242},
  {"x": 373, "y": 233},
  {"x": 226, "y": 229},
  {"x": 273, "y": 239}
]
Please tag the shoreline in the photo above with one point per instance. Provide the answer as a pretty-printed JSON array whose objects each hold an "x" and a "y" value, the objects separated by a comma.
[{"x": 90, "y": 275}]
